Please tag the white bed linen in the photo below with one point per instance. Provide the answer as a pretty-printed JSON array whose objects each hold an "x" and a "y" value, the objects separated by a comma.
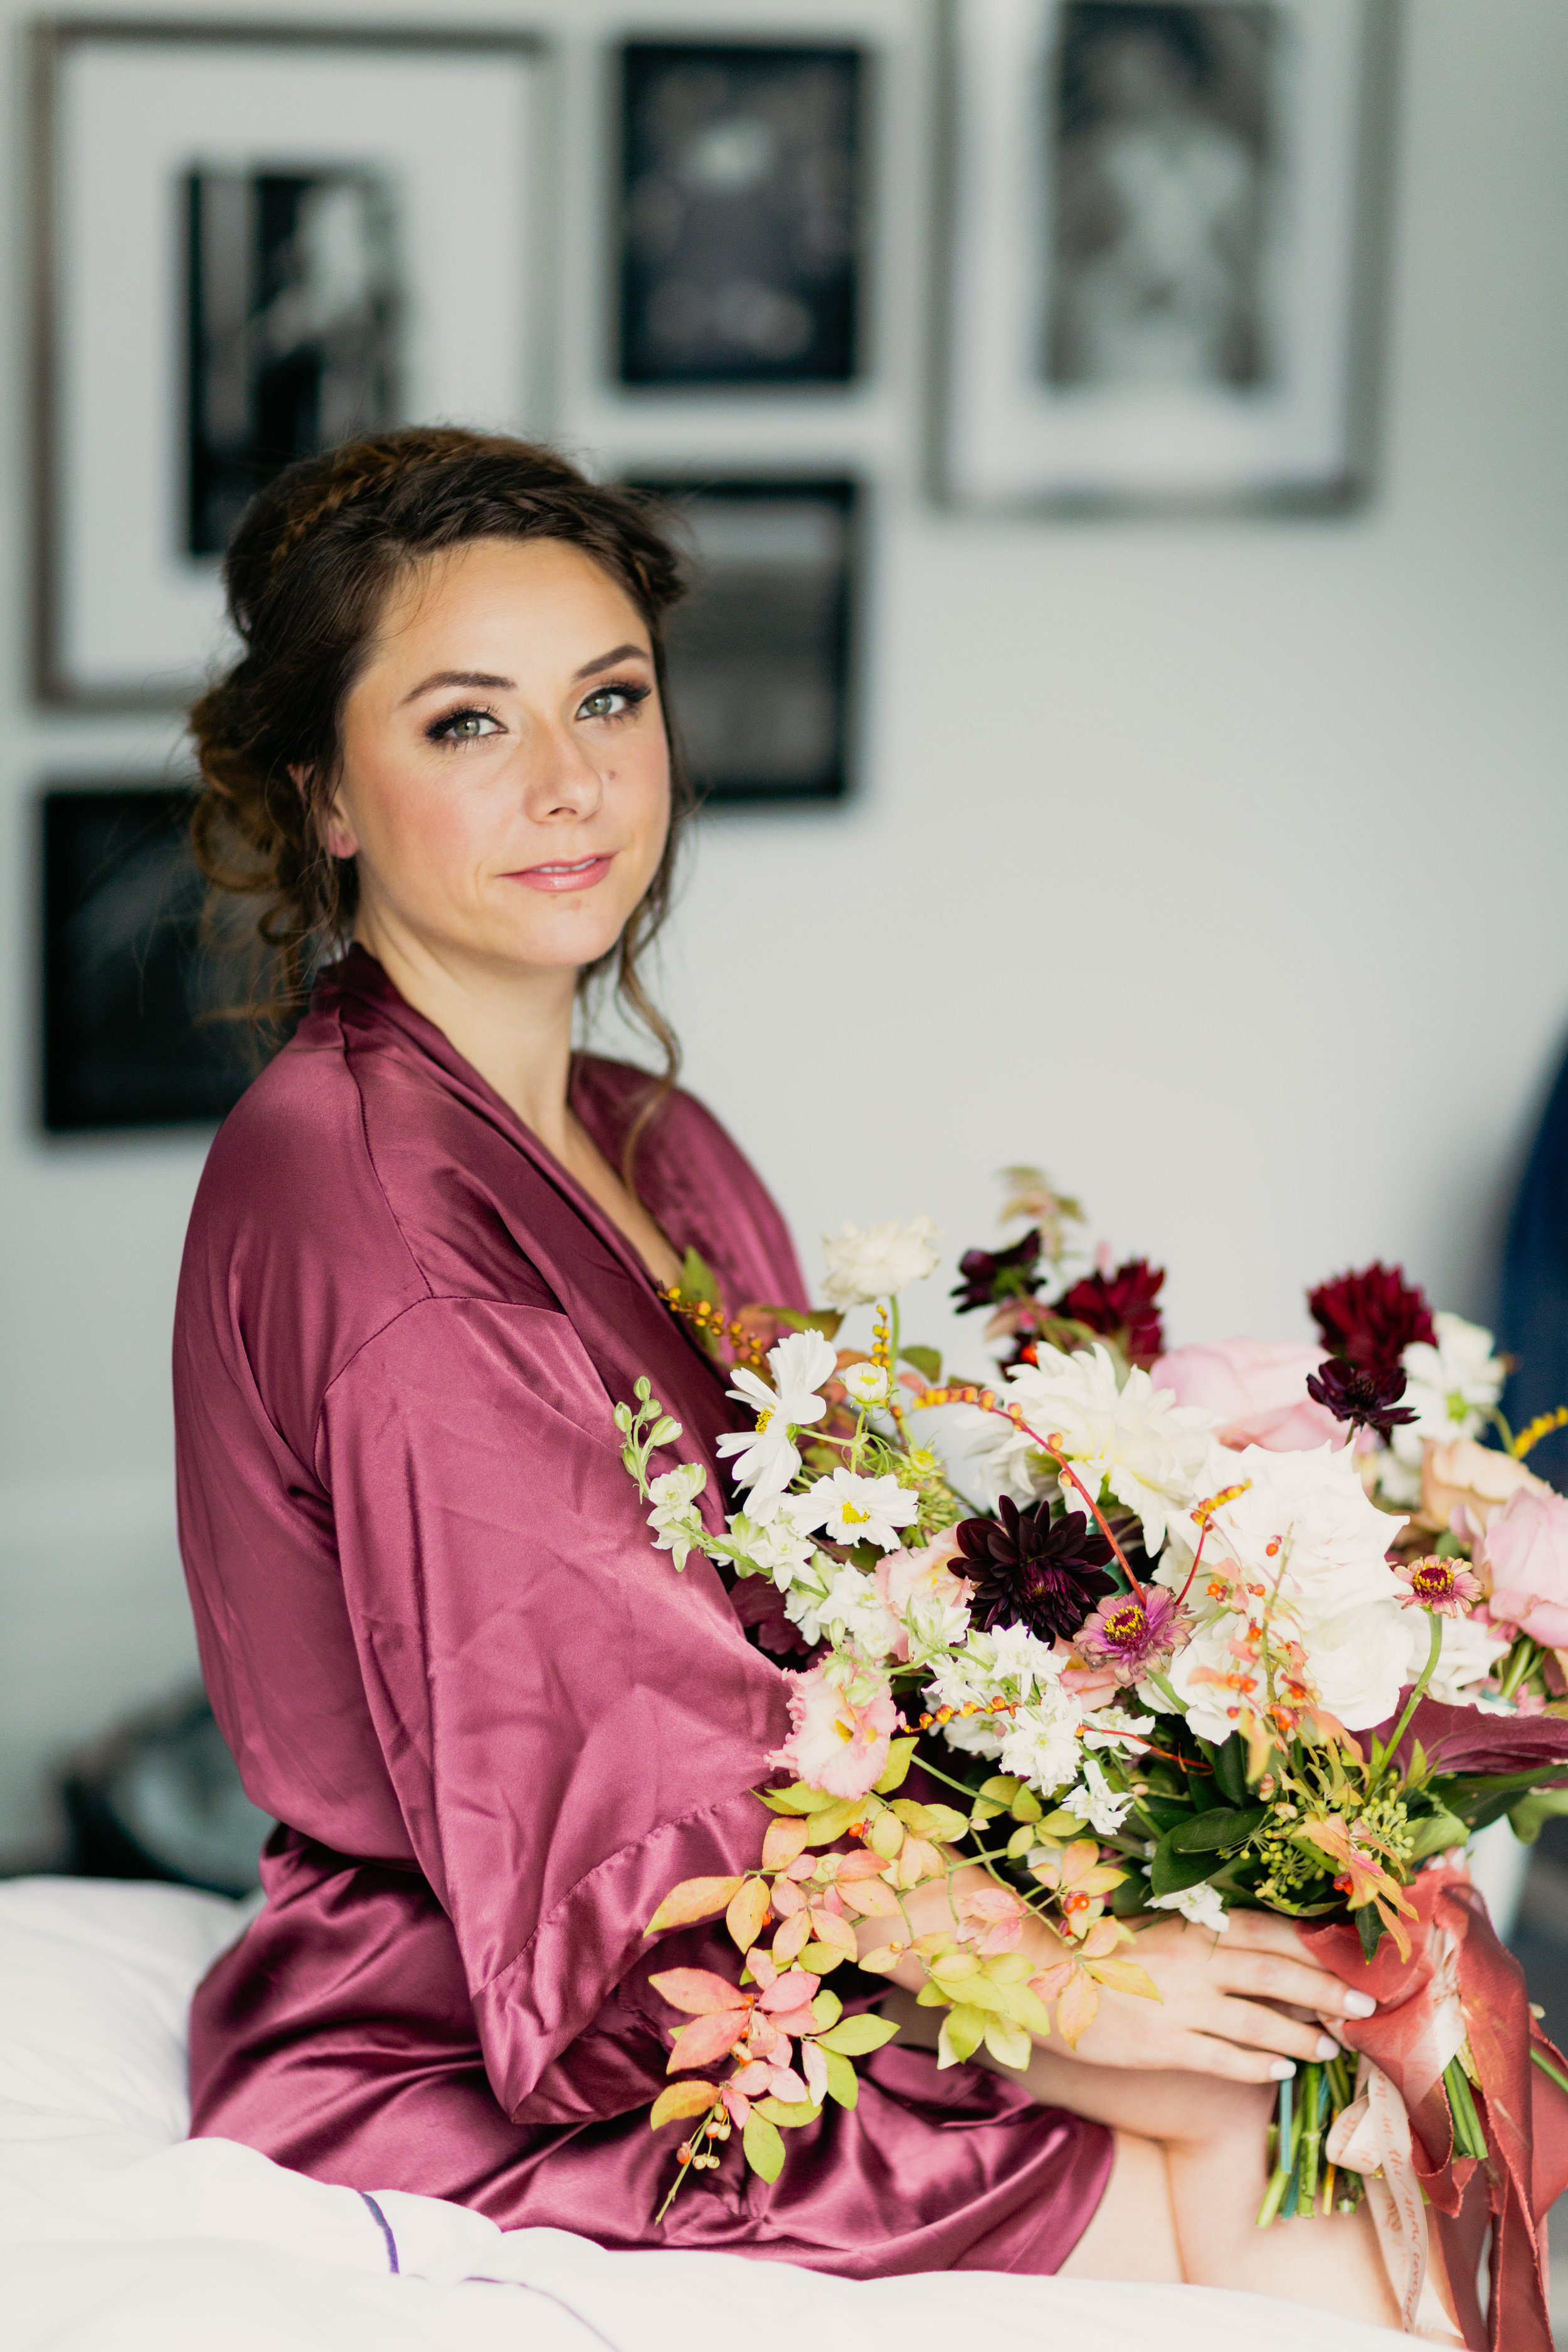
[{"x": 116, "y": 2234}]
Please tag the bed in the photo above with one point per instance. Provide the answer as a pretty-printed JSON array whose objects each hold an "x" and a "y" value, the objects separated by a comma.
[{"x": 118, "y": 2233}]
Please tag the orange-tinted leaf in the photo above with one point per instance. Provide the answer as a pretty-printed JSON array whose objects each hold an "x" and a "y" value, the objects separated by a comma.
[
  {"x": 784, "y": 1843},
  {"x": 698, "y": 1992},
  {"x": 792, "y": 1939},
  {"x": 693, "y": 1899},
  {"x": 1047, "y": 1983},
  {"x": 871, "y": 1898},
  {"x": 705, "y": 2040},
  {"x": 835, "y": 1932},
  {"x": 1125, "y": 1975},
  {"x": 679, "y": 2099},
  {"x": 1101, "y": 1938},
  {"x": 1081, "y": 1855},
  {"x": 748, "y": 1912},
  {"x": 1078, "y": 2005},
  {"x": 884, "y": 1959},
  {"x": 863, "y": 1864}
]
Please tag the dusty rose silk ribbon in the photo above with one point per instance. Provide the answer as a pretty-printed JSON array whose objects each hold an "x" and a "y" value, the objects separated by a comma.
[{"x": 1524, "y": 2115}]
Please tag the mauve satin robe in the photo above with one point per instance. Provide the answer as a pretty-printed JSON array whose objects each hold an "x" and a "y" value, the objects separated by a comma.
[{"x": 496, "y": 1725}]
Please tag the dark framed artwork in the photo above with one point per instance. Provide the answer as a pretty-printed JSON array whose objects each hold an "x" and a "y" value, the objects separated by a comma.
[
  {"x": 132, "y": 990},
  {"x": 252, "y": 242},
  {"x": 762, "y": 651},
  {"x": 1166, "y": 221},
  {"x": 741, "y": 202}
]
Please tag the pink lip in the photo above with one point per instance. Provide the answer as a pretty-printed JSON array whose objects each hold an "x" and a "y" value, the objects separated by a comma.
[{"x": 563, "y": 874}]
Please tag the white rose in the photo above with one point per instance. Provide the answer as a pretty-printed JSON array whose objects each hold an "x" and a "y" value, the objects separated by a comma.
[
  {"x": 878, "y": 1261},
  {"x": 1360, "y": 1661},
  {"x": 1304, "y": 1523}
]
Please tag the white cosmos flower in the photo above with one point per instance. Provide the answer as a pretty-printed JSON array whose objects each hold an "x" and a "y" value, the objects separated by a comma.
[
  {"x": 675, "y": 1518},
  {"x": 849, "y": 1509},
  {"x": 1450, "y": 1385},
  {"x": 866, "y": 1383},
  {"x": 1041, "y": 1743},
  {"x": 872, "y": 1262},
  {"x": 1135, "y": 1439},
  {"x": 1202, "y": 1905},
  {"x": 1095, "y": 1801},
  {"x": 766, "y": 1457}
]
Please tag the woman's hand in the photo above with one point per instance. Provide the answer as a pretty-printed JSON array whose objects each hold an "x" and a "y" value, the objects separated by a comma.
[{"x": 1241, "y": 2004}]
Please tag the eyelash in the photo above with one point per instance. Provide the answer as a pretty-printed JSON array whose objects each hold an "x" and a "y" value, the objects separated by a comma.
[{"x": 632, "y": 691}]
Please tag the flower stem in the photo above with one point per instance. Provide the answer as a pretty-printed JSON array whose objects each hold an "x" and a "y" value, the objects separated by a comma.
[{"x": 1417, "y": 1696}]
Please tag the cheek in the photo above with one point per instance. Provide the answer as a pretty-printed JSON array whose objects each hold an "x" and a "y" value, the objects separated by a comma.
[{"x": 419, "y": 836}]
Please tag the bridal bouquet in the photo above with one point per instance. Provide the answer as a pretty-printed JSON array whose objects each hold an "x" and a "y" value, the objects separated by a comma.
[{"x": 1131, "y": 1630}]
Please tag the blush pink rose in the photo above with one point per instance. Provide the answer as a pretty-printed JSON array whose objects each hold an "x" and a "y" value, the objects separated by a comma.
[
  {"x": 906, "y": 1576},
  {"x": 1525, "y": 1552},
  {"x": 1258, "y": 1389},
  {"x": 1476, "y": 1478},
  {"x": 833, "y": 1744}
]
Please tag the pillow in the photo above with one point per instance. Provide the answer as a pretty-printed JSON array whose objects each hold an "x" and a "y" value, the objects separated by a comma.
[{"x": 96, "y": 1979}]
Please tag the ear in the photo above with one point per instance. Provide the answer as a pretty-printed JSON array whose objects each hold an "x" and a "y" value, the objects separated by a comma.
[{"x": 337, "y": 834}]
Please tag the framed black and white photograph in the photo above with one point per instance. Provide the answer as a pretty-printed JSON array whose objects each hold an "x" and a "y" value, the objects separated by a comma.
[
  {"x": 1164, "y": 229},
  {"x": 742, "y": 171},
  {"x": 761, "y": 652},
  {"x": 136, "y": 997},
  {"x": 253, "y": 243}
]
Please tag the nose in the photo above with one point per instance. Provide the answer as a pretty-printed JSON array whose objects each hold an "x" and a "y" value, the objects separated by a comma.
[{"x": 560, "y": 782}]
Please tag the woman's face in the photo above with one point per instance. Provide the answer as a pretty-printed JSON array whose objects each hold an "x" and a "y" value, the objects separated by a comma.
[{"x": 505, "y": 783}]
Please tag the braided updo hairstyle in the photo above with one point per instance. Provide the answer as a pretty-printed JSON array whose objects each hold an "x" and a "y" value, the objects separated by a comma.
[{"x": 307, "y": 575}]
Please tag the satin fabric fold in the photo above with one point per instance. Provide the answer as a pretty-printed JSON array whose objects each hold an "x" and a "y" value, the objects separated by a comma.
[{"x": 496, "y": 1725}]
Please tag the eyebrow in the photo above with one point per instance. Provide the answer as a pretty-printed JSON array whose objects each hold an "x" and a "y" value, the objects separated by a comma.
[
  {"x": 509, "y": 685},
  {"x": 458, "y": 677}
]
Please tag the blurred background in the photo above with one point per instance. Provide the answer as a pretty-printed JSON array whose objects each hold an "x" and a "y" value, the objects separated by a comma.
[{"x": 1126, "y": 448}]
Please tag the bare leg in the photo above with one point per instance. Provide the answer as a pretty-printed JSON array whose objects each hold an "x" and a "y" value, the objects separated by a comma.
[{"x": 1190, "y": 2173}]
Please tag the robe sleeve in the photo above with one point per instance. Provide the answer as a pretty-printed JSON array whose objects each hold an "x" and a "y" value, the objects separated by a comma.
[{"x": 570, "y": 1725}]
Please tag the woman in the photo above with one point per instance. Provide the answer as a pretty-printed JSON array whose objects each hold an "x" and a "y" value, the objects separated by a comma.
[{"x": 423, "y": 1264}]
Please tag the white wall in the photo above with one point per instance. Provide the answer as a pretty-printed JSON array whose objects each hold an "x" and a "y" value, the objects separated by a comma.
[{"x": 1218, "y": 866}]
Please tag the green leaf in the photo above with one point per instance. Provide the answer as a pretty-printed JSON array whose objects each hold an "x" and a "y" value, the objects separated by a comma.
[
  {"x": 1220, "y": 1829},
  {"x": 961, "y": 2031},
  {"x": 1170, "y": 1872},
  {"x": 1001, "y": 1788},
  {"x": 828, "y": 2009},
  {"x": 1023, "y": 1842},
  {"x": 843, "y": 2083},
  {"x": 1230, "y": 1768},
  {"x": 1060, "y": 1824},
  {"x": 1528, "y": 1819},
  {"x": 1024, "y": 2008},
  {"x": 1025, "y": 1806},
  {"x": 927, "y": 1362},
  {"x": 697, "y": 1279},
  {"x": 898, "y": 1764},
  {"x": 937, "y": 1824},
  {"x": 823, "y": 1959},
  {"x": 764, "y": 2149},
  {"x": 798, "y": 1799},
  {"x": 1438, "y": 1831},
  {"x": 790, "y": 2115},
  {"x": 856, "y": 2037},
  {"x": 1008, "y": 2043},
  {"x": 834, "y": 1818},
  {"x": 1369, "y": 1927}
]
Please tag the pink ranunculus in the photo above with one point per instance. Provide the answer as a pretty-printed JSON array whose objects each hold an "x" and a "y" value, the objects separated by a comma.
[
  {"x": 906, "y": 1576},
  {"x": 1525, "y": 1553},
  {"x": 1257, "y": 1388},
  {"x": 833, "y": 1744}
]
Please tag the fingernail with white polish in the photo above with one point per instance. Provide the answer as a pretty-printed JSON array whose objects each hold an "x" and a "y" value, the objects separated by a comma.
[
  {"x": 1359, "y": 2004},
  {"x": 1282, "y": 2069},
  {"x": 1327, "y": 2047}
]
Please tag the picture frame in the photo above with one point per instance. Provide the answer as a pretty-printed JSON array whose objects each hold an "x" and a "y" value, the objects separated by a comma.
[
  {"x": 1162, "y": 272},
  {"x": 739, "y": 221},
  {"x": 136, "y": 995},
  {"x": 763, "y": 651},
  {"x": 271, "y": 199}
]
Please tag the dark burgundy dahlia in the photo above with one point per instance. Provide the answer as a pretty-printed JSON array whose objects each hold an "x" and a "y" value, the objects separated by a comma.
[
  {"x": 991, "y": 1276},
  {"x": 1370, "y": 1318},
  {"x": 1120, "y": 1307},
  {"x": 1366, "y": 1400},
  {"x": 1030, "y": 1570}
]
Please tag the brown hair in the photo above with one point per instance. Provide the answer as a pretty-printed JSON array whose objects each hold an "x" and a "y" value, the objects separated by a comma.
[{"x": 307, "y": 574}]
